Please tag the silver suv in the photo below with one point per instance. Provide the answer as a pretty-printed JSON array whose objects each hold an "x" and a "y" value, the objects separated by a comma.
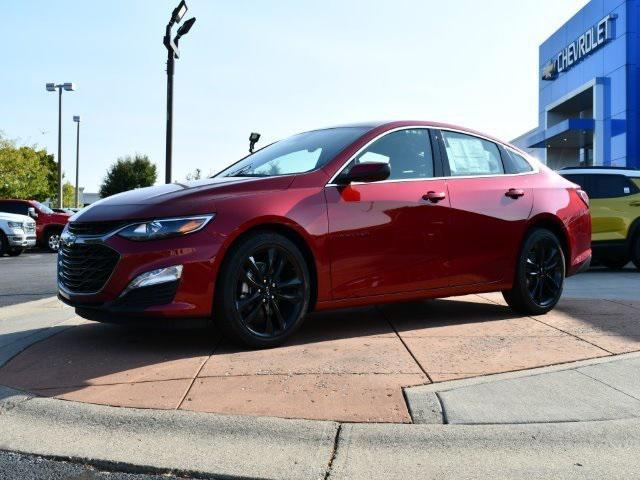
[{"x": 17, "y": 233}]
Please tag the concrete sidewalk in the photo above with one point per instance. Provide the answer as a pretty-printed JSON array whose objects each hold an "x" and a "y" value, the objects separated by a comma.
[{"x": 125, "y": 439}]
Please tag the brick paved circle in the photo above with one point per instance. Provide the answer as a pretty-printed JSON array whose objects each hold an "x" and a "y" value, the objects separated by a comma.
[{"x": 347, "y": 365}]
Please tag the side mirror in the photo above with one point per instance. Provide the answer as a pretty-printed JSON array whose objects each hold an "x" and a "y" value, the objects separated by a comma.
[
  {"x": 32, "y": 212},
  {"x": 366, "y": 172}
]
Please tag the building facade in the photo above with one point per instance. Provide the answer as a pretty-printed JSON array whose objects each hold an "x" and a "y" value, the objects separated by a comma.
[{"x": 588, "y": 102}]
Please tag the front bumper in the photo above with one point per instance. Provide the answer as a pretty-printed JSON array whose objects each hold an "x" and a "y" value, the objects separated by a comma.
[
  {"x": 189, "y": 297},
  {"x": 21, "y": 241}
]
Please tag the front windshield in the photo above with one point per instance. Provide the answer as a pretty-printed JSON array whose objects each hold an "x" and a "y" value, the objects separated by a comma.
[
  {"x": 44, "y": 208},
  {"x": 301, "y": 153}
]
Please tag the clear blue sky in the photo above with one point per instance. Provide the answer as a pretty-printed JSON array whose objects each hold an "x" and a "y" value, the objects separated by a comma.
[{"x": 277, "y": 67}]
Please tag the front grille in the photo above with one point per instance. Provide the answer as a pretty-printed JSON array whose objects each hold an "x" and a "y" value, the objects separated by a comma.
[
  {"x": 94, "y": 228},
  {"x": 85, "y": 268}
]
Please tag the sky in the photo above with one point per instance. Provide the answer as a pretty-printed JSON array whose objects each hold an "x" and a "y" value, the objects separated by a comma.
[{"x": 277, "y": 67}]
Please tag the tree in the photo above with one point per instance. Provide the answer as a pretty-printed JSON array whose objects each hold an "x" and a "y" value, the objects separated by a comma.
[
  {"x": 128, "y": 173},
  {"x": 195, "y": 175},
  {"x": 26, "y": 172},
  {"x": 68, "y": 195}
]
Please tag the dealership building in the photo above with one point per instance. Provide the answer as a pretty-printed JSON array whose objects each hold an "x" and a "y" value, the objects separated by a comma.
[{"x": 588, "y": 101}]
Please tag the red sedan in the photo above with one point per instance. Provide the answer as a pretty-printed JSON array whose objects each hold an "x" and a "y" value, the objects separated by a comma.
[{"x": 352, "y": 215}]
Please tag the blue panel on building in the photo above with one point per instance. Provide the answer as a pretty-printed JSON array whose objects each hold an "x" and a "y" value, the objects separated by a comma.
[{"x": 588, "y": 89}]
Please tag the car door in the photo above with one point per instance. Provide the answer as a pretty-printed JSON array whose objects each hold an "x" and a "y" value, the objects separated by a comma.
[
  {"x": 614, "y": 205},
  {"x": 390, "y": 236},
  {"x": 489, "y": 208}
]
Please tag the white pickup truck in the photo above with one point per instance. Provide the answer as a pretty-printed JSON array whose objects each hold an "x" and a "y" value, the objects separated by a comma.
[{"x": 17, "y": 233}]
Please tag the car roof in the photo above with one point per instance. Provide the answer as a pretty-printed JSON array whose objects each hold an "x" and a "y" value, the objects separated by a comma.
[
  {"x": 391, "y": 124},
  {"x": 627, "y": 172}
]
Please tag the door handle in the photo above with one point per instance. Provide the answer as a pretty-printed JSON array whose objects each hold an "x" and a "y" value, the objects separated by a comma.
[
  {"x": 514, "y": 193},
  {"x": 434, "y": 197}
]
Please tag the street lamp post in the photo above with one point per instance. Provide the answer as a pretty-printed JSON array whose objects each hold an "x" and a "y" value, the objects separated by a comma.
[
  {"x": 52, "y": 87},
  {"x": 76, "y": 118},
  {"x": 172, "y": 54}
]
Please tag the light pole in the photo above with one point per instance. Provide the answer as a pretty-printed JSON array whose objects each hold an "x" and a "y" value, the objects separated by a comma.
[
  {"x": 76, "y": 118},
  {"x": 51, "y": 87},
  {"x": 172, "y": 54}
]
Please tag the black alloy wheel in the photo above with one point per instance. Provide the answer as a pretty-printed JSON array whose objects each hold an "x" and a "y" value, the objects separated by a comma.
[
  {"x": 635, "y": 250},
  {"x": 540, "y": 274},
  {"x": 544, "y": 271},
  {"x": 264, "y": 291}
]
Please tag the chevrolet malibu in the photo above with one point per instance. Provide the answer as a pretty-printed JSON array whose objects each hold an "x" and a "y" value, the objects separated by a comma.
[{"x": 337, "y": 217}]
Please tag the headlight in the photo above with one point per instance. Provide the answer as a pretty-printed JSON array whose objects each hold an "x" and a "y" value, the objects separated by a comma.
[
  {"x": 15, "y": 225},
  {"x": 164, "y": 228}
]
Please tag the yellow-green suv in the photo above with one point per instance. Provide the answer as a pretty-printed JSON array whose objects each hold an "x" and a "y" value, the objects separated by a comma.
[{"x": 614, "y": 195}]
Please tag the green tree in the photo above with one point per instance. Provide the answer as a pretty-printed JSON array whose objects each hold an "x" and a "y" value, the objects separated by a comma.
[
  {"x": 68, "y": 195},
  {"x": 128, "y": 173},
  {"x": 26, "y": 172}
]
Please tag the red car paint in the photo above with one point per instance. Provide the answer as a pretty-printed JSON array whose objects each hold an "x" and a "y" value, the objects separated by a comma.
[
  {"x": 367, "y": 243},
  {"x": 45, "y": 222}
]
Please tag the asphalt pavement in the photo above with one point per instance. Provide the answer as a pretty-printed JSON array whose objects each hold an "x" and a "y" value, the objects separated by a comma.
[{"x": 30, "y": 276}]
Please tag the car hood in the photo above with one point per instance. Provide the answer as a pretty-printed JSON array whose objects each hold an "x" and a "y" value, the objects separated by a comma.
[
  {"x": 14, "y": 217},
  {"x": 177, "y": 199}
]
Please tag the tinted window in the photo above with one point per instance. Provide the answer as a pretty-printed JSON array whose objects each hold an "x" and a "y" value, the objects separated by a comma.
[
  {"x": 516, "y": 163},
  {"x": 578, "y": 180},
  {"x": 14, "y": 207},
  {"x": 469, "y": 155},
  {"x": 610, "y": 186},
  {"x": 300, "y": 153},
  {"x": 408, "y": 153}
]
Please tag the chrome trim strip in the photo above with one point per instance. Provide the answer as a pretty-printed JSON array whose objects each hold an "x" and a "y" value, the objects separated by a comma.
[{"x": 450, "y": 177}]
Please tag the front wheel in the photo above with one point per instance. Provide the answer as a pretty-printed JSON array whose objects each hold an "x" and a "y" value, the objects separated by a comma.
[
  {"x": 263, "y": 291},
  {"x": 540, "y": 274},
  {"x": 52, "y": 241},
  {"x": 635, "y": 250},
  {"x": 614, "y": 263},
  {"x": 14, "y": 252}
]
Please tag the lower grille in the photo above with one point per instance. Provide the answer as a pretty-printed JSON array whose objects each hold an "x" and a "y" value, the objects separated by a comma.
[
  {"x": 85, "y": 268},
  {"x": 144, "y": 297}
]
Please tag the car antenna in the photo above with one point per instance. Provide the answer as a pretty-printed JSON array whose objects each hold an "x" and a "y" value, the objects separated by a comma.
[{"x": 253, "y": 139}]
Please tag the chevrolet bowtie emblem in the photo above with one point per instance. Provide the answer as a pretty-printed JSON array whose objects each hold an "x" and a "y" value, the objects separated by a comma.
[{"x": 549, "y": 70}]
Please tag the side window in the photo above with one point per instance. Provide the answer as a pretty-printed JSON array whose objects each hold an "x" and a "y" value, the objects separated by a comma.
[
  {"x": 408, "y": 153},
  {"x": 611, "y": 186},
  {"x": 579, "y": 180},
  {"x": 469, "y": 155},
  {"x": 516, "y": 163},
  {"x": 10, "y": 207}
]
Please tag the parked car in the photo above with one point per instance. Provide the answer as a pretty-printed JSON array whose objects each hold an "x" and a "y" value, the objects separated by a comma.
[
  {"x": 615, "y": 210},
  {"x": 337, "y": 217},
  {"x": 17, "y": 233},
  {"x": 49, "y": 224}
]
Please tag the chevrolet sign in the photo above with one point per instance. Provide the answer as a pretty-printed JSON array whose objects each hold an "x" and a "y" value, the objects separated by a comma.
[{"x": 584, "y": 45}]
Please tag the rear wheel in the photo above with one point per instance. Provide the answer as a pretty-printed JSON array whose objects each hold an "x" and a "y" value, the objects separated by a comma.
[
  {"x": 14, "y": 252},
  {"x": 635, "y": 250},
  {"x": 3, "y": 244},
  {"x": 614, "y": 263},
  {"x": 539, "y": 274},
  {"x": 263, "y": 291}
]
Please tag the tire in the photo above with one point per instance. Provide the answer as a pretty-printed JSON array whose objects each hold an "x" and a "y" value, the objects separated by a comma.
[
  {"x": 263, "y": 291},
  {"x": 540, "y": 274},
  {"x": 14, "y": 252},
  {"x": 4, "y": 245},
  {"x": 614, "y": 263},
  {"x": 51, "y": 240},
  {"x": 635, "y": 250}
]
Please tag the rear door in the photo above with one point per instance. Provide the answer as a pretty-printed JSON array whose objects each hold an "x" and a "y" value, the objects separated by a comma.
[
  {"x": 490, "y": 205},
  {"x": 390, "y": 236}
]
